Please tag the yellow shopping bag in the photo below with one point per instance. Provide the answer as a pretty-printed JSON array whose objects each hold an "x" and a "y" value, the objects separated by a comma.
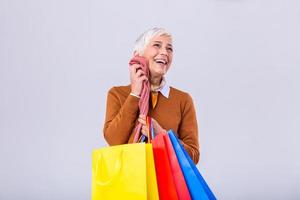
[
  {"x": 124, "y": 172},
  {"x": 152, "y": 190}
]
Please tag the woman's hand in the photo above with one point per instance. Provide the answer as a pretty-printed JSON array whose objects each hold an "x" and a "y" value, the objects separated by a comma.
[
  {"x": 157, "y": 128},
  {"x": 137, "y": 77}
]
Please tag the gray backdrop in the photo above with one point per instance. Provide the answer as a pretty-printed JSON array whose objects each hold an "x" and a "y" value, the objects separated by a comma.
[{"x": 239, "y": 59}]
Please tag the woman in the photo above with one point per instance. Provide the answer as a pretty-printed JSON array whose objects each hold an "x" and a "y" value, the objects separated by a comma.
[{"x": 169, "y": 108}]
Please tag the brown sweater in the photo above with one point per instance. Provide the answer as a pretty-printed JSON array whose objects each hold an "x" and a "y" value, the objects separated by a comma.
[{"x": 176, "y": 112}]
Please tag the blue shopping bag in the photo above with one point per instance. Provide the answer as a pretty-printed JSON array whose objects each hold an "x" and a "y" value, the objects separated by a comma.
[{"x": 198, "y": 188}]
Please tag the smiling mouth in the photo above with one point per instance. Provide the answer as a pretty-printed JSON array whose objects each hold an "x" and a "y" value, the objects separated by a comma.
[{"x": 161, "y": 61}]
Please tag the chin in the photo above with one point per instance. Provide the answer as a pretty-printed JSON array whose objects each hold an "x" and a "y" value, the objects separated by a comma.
[
  {"x": 158, "y": 70},
  {"x": 159, "y": 73}
]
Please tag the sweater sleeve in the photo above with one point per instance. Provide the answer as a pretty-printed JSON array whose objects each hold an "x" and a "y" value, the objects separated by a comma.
[
  {"x": 188, "y": 130},
  {"x": 120, "y": 118}
]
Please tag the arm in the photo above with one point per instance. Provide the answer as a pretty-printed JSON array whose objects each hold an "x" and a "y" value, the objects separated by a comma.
[
  {"x": 120, "y": 119},
  {"x": 188, "y": 130}
]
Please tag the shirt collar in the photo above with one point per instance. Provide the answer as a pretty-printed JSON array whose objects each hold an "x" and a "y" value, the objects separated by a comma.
[{"x": 164, "y": 88}]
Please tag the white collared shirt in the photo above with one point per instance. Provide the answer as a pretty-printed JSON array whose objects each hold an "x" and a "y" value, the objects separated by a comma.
[{"x": 164, "y": 88}]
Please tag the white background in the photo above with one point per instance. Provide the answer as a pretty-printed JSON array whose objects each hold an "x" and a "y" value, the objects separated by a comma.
[{"x": 239, "y": 59}]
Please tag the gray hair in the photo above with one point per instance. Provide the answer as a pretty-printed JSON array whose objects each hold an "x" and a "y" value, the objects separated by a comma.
[{"x": 144, "y": 39}]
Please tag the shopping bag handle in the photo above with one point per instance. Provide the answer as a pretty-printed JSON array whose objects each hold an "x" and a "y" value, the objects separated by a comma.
[
  {"x": 148, "y": 123},
  {"x": 150, "y": 132},
  {"x": 117, "y": 170}
]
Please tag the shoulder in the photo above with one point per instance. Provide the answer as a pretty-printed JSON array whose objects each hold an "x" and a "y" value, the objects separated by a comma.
[
  {"x": 120, "y": 90},
  {"x": 179, "y": 94},
  {"x": 183, "y": 99}
]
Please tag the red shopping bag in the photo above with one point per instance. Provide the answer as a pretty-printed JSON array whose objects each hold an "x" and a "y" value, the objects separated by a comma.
[
  {"x": 165, "y": 180},
  {"x": 181, "y": 187}
]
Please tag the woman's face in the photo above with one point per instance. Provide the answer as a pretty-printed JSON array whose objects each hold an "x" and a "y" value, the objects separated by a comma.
[{"x": 159, "y": 53}]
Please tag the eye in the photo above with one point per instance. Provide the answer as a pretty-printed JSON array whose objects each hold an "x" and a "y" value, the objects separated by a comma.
[
  {"x": 170, "y": 49},
  {"x": 156, "y": 45}
]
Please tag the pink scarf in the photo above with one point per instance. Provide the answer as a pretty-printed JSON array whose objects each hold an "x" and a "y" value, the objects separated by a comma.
[{"x": 144, "y": 100}]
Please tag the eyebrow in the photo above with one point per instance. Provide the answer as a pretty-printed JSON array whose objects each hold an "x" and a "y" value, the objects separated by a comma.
[{"x": 161, "y": 42}]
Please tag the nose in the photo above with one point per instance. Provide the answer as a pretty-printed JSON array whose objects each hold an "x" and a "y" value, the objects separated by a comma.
[{"x": 163, "y": 51}]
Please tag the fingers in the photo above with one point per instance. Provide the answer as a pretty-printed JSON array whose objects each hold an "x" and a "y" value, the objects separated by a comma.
[
  {"x": 137, "y": 78},
  {"x": 142, "y": 119},
  {"x": 157, "y": 128},
  {"x": 144, "y": 78},
  {"x": 144, "y": 130},
  {"x": 142, "y": 116},
  {"x": 133, "y": 68},
  {"x": 139, "y": 73},
  {"x": 137, "y": 70}
]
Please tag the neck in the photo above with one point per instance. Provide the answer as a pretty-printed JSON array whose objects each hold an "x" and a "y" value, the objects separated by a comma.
[{"x": 155, "y": 81}]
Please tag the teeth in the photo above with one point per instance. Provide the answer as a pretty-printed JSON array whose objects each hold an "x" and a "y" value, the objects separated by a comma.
[{"x": 161, "y": 61}]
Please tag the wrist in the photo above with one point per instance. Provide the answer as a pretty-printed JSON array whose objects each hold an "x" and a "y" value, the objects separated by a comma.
[
  {"x": 135, "y": 95},
  {"x": 161, "y": 131}
]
